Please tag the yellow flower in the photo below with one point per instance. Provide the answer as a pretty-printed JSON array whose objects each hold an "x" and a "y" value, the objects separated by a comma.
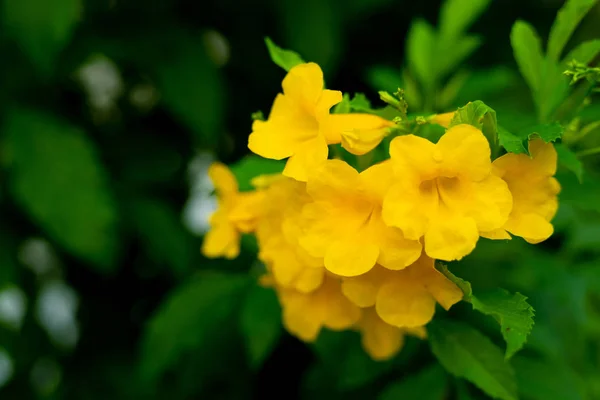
[
  {"x": 381, "y": 340},
  {"x": 277, "y": 235},
  {"x": 406, "y": 298},
  {"x": 304, "y": 314},
  {"x": 442, "y": 119},
  {"x": 237, "y": 212},
  {"x": 445, "y": 192},
  {"x": 534, "y": 191},
  {"x": 343, "y": 224},
  {"x": 300, "y": 126}
]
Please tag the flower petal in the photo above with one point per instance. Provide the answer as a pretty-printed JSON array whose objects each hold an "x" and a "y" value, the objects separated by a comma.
[
  {"x": 450, "y": 237},
  {"x": 223, "y": 180},
  {"x": 403, "y": 302},
  {"x": 379, "y": 339},
  {"x": 441, "y": 288},
  {"x": 531, "y": 227},
  {"x": 409, "y": 208},
  {"x": 307, "y": 156},
  {"x": 304, "y": 83},
  {"x": 351, "y": 256},
  {"x": 413, "y": 155},
  {"x": 362, "y": 290},
  {"x": 464, "y": 151},
  {"x": 222, "y": 240},
  {"x": 360, "y": 133}
]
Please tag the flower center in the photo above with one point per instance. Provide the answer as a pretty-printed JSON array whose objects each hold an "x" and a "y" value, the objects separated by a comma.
[{"x": 440, "y": 189}]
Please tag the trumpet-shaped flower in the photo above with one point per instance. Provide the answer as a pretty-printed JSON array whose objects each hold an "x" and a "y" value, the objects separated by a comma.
[
  {"x": 534, "y": 190},
  {"x": 237, "y": 212},
  {"x": 445, "y": 192},
  {"x": 406, "y": 298},
  {"x": 304, "y": 314},
  {"x": 381, "y": 340},
  {"x": 300, "y": 127},
  {"x": 343, "y": 224},
  {"x": 442, "y": 119}
]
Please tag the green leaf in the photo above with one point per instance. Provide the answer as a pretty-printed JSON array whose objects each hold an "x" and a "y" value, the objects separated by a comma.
[
  {"x": 547, "y": 132},
  {"x": 527, "y": 49},
  {"x": 420, "y": 47},
  {"x": 42, "y": 28},
  {"x": 584, "y": 53},
  {"x": 448, "y": 94},
  {"x": 461, "y": 283},
  {"x": 482, "y": 117},
  {"x": 511, "y": 142},
  {"x": 286, "y": 59},
  {"x": 567, "y": 19},
  {"x": 252, "y": 166},
  {"x": 57, "y": 178},
  {"x": 512, "y": 312},
  {"x": 456, "y": 16},
  {"x": 430, "y": 383},
  {"x": 553, "y": 90},
  {"x": 455, "y": 54},
  {"x": 191, "y": 317},
  {"x": 260, "y": 321},
  {"x": 384, "y": 78},
  {"x": 569, "y": 160},
  {"x": 466, "y": 353},
  {"x": 486, "y": 83},
  {"x": 583, "y": 195},
  {"x": 343, "y": 107},
  {"x": 191, "y": 87},
  {"x": 543, "y": 380},
  {"x": 360, "y": 103}
]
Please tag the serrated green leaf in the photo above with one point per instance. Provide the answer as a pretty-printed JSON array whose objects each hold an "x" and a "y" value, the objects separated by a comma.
[
  {"x": 260, "y": 322},
  {"x": 343, "y": 107},
  {"x": 430, "y": 383},
  {"x": 512, "y": 312},
  {"x": 567, "y": 19},
  {"x": 252, "y": 166},
  {"x": 420, "y": 47},
  {"x": 191, "y": 87},
  {"x": 543, "y": 380},
  {"x": 286, "y": 59},
  {"x": 57, "y": 178},
  {"x": 547, "y": 132},
  {"x": 466, "y": 353},
  {"x": 482, "y": 117},
  {"x": 527, "y": 49},
  {"x": 190, "y": 318},
  {"x": 511, "y": 142},
  {"x": 41, "y": 27},
  {"x": 456, "y": 16},
  {"x": 584, "y": 53},
  {"x": 569, "y": 160}
]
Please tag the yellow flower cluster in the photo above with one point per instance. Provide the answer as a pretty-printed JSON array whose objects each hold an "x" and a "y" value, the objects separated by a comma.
[{"x": 350, "y": 250}]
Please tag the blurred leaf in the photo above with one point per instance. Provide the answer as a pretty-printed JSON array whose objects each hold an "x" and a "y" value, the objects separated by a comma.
[
  {"x": 448, "y": 94},
  {"x": 457, "y": 15},
  {"x": 554, "y": 87},
  {"x": 162, "y": 233},
  {"x": 583, "y": 195},
  {"x": 567, "y": 19},
  {"x": 453, "y": 56},
  {"x": 260, "y": 321},
  {"x": 190, "y": 317},
  {"x": 482, "y": 117},
  {"x": 584, "y": 52},
  {"x": 252, "y": 166},
  {"x": 191, "y": 87},
  {"x": 286, "y": 59},
  {"x": 543, "y": 380},
  {"x": 309, "y": 22},
  {"x": 465, "y": 352},
  {"x": 511, "y": 311},
  {"x": 57, "y": 178},
  {"x": 527, "y": 49},
  {"x": 483, "y": 83},
  {"x": 420, "y": 46},
  {"x": 42, "y": 28},
  {"x": 360, "y": 103},
  {"x": 343, "y": 107},
  {"x": 430, "y": 383},
  {"x": 462, "y": 390},
  {"x": 384, "y": 78},
  {"x": 569, "y": 160},
  {"x": 547, "y": 132}
]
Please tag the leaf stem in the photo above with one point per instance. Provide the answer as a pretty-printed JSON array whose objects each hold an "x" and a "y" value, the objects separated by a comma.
[{"x": 588, "y": 152}]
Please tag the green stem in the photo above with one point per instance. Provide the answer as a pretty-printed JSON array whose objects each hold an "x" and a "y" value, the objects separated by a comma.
[
  {"x": 588, "y": 152},
  {"x": 584, "y": 132}
]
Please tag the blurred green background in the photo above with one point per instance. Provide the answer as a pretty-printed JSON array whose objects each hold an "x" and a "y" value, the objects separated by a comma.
[{"x": 110, "y": 113}]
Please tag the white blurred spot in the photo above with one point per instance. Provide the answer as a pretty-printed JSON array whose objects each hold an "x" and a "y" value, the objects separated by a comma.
[
  {"x": 102, "y": 82},
  {"x": 6, "y": 367},
  {"x": 55, "y": 311},
  {"x": 201, "y": 203},
  {"x": 13, "y": 304},
  {"x": 143, "y": 96},
  {"x": 45, "y": 376},
  {"x": 217, "y": 47},
  {"x": 38, "y": 255}
]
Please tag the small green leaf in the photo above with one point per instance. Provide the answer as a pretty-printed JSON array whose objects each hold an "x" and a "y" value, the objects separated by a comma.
[
  {"x": 189, "y": 318},
  {"x": 286, "y": 59},
  {"x": 512, "y": 312},
  {"x": 456, "y": 16},
  {"x": 420, "y": 47},
  {"x": 511, "y": 142},
  {"x": 455, "y": 54},
  {"x": 448, "y": 94},
  {"x": 466, "y": 353},
  {"x": 260, "y": 321},
  {"x": 567, "y": 19},
  {"x": 430, "y": 383},
  {"x": 527, "y": 49},
  {"x": 547, "y": 132},
  {"x": 57, "y": 178},
  {"x": 343, "y": 107},
  {"x": 461, "y": 283},
  {"x": 482, "y": 117},
  {"x": 360, "y": 103},
  {"x": 384, "y": 78},
  {"x": 41, "y": 27},
  {"x": 252, "y": 166},
  {"x": 569, "y": 160},
  {"x": 543, "y": 380},
  {"x": 584, "y": 53}
]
